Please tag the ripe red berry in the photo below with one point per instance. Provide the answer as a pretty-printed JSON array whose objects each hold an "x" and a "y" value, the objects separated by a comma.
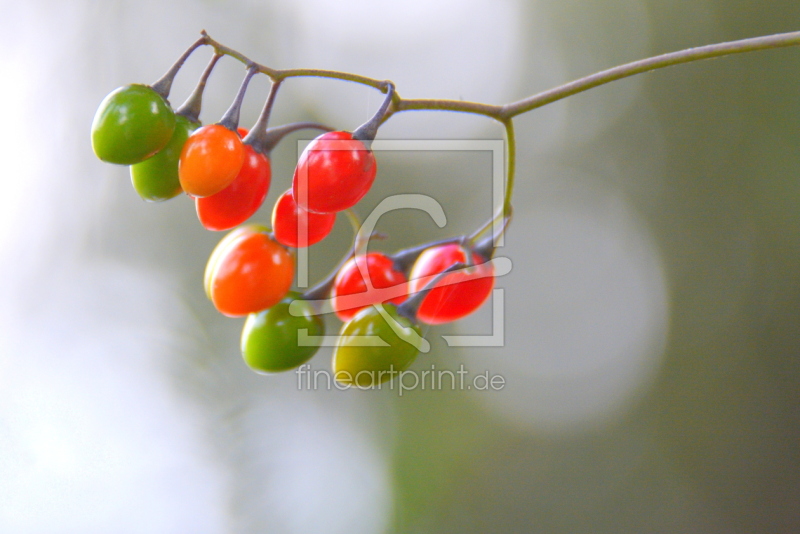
[
  {"x": 458, "y": 294},
  {"x": 333, "y": 173},
  {"x": 248, "y": 272},
  {"x": 241, "y": 199},
  {"x": 295, "y": 227},
  {"x": 351, "y": 284}
]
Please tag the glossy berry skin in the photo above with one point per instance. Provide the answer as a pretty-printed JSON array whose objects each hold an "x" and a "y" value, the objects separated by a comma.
[
  {"x": 335, "y": 171},
  {"x": 367, "y": 366},
  {"x": 241, "y": 199},
  {"x": 131, "y": 124},
  {"x": 349, "y": 281},
  {"x": 296, "y": 227},
  {"x": 211, "y": 159},
  {"x": 270, "y": 342},
  {"x": 469, "y": 289},
  {"x": 248, "y": 272},
  {"x": 156, "y": 178}
]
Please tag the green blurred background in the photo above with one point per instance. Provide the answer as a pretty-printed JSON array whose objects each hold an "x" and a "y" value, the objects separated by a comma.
[{"x": 651, "y": 321}]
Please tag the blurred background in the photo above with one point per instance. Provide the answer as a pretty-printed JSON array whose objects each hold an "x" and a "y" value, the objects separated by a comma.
[{"x": 650, "y": 323}]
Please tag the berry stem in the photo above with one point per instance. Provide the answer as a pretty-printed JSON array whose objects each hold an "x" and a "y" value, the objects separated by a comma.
[
  {"x": 366, "y": 132},
  {"x": 409, "y": 307},
  {"x": 258, "y": 133},
  {"x": 504, "y": 114},
  {"x": 278, "y": 75},
  {"x": 404, "y": 259},
  {"x": 191, "y": 108},
  {"x": 511, "y": 167},
  {"x": 322, "y": 290},
  {"x": 486, "y": 246},
  {"x": 503, "y": 216},
  {"x": 645, "y": 65},
  {"x": 164, "y": 84},
  {"x": 507, "y": 111},
  {"x": 231, "y": 118},
  {"x": 275, "y": 135},
  {"x": 394, "y": 103}
]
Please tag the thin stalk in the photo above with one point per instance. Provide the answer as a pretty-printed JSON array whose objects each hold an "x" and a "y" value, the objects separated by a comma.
[
  {"x": 231, "y": 118},
  {"x": 461, "y": 106},
  {"x": 504, "y": 213},
  {"x": 164, "y": 84},
  {"x": 366, "y": 132},
  {"x": 778, "y": 40},
  {"x": 504, "y": 112},
  {"x": 193, "y": 105},
  {"x": 278, "y": 75},
  {"x": 404, "y": 259},
  {"x": 276, "y": 134},
  {"x": 511, "y": 161},
  {"x": 410, "y": 306},
  {"x": 257, "y": 136}
]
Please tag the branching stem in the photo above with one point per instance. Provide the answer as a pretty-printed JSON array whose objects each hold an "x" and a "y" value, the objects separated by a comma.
[
  {"x": 508, "y": 111},
  {"x": 505, "y": 113}
]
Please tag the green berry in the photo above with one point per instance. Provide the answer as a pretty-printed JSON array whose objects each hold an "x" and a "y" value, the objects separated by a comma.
[
  {"x": 156, "y": 178},
  {"x": 271, "y": 339},
  {"x": 132, "y": 123},
  {"x": 368, "y": 365}
]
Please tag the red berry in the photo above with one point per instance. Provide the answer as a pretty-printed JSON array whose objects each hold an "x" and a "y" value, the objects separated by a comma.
[
  {"x": 457, "y": 294},
  {"x": 350, "y": 283},
  {"x": 241, "y": 199},
  {"x": 248, "y": 272},
  {"x": 334, "y": 172},
  {"x": 210, "y": 160},
  {"x": 295, "y": 227}
]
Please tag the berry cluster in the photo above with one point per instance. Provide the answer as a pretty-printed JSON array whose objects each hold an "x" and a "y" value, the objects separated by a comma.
[
  {"x": 381, "y": 298},
  {"x": 225, "y": 170}
]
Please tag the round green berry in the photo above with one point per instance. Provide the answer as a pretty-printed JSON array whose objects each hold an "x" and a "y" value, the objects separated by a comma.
[{"x": 132, "y": 123}]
